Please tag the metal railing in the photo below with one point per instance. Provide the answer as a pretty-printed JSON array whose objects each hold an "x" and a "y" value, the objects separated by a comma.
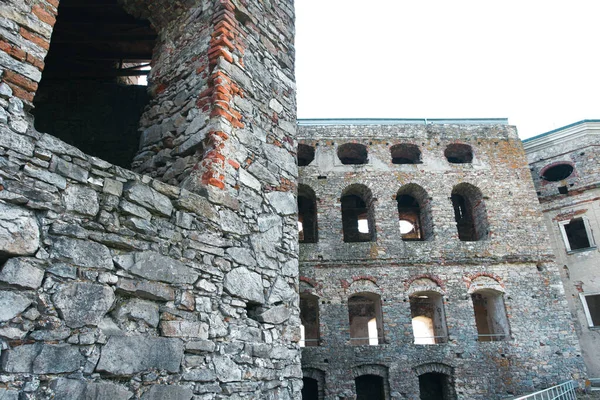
[
  {"x": 371, "y": 341},
  {"x": 564, "y": 391},
  {"x": 492, "y": 337},
  {"x": 430, "y": 339}
]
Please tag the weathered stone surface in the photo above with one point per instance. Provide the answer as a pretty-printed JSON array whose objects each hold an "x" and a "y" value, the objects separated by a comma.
[
  {"x": 72, "y": 389},
  {"x": 198, "y": 346},
  {"x": 166, "y": 392},
  {"x": 21, "y": 144},
  {"x": 283, "y": 202},
  {"x": 243, "y": 283},
  {"x": 197, "y": 204},
  {"x": 12, "y": 304},
  {"x": 155, "y": 266},
  {"x": 232, "y": 222},
  {"x": 242, "y": 256},
  {"x": 82, "y": 303},
  {"x": 22, "y": 272},
  {"x": 281, "y": 291},
  {"x": 8, "y": 394},
  {"x": 136, "y": 309},
  {"x": 197, "y": 330},
  {"x": 128, "y": 355},
  {"x": 82, "y": 253},
  {"x": 146, "y": 289},
  {"x": 148, "y": 197},
  {"x": 226, "y": 369},
  {"x": 275, "y": 315},
  {"x": 81, "y": 199},
  {"x": 42, "y": 359},
  {"x": 19, "y": 231},
  {"x": 200, "y": 375},
  {"x": 70, "y": 170}
]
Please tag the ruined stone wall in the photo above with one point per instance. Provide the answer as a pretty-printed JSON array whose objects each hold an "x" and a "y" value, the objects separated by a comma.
[
  {"x": 514, "y": 259},
  {"x": 579, "y": 268},
  {"x": 116, "y": 285}
]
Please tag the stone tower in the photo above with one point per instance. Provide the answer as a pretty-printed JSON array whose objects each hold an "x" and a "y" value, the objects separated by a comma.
[
  {"x": 177, "y": 279},
  {"x": 425, "y": 265}
]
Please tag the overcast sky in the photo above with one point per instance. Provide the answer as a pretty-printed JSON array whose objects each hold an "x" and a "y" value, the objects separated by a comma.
[{"x": 531, "y": 61}]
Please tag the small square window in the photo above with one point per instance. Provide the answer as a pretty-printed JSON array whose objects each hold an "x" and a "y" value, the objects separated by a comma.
[
  {"x": 577, "y": 234},
  {"x": 591, "y": 306}
]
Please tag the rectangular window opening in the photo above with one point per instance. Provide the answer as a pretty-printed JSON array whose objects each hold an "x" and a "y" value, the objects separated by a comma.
[{"x": 591, "y": 306}]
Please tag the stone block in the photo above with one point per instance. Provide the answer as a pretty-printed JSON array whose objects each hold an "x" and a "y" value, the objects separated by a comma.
[
  {"x": 129, "y": 355},
  {"x": 69, "y": 170},
  {"x": 22, "y": 272},
  {"x": 243, "y": 283},
  {"x": 156, "y": 267},
  {"x": 167, "y": 392},
  {"x": 146, "y": 289},
  {"x": 82, "y": 253},
  {"x": 83, "y": 303},
  {"x": 284, "y": 203},
  {"x": 198, "y": 330},
  {"x": 12, "y": 304},
  {"x": 19, "y": 231},
  {"x": 139, "y": 310},
  {"x": 42, "y": 358},
  {"x": 81, "y": 199},
  {"x": 147, "y": 197},
  {"x": 72, "y": 389}
]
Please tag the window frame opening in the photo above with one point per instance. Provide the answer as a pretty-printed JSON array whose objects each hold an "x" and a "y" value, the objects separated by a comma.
[
  {"x": 309, "y": 319},
  {"x": 428, "y": 318},
  {"x": 310, "y": 389},
  {"x": 573, "y": 231},
  {"x": 305, "y": 155},
  {"x": 591, "y": 309},
  {"x": 459, "y": 153},
  {"x": 319, "y": 377},
  {"x": 414, "y": 207},
  {"x": 353, "y": 154},
  {"x": 405, "y": 153},
  {"x": 491, "y": 319},
  {"x": 557, "y": 172},
  {"x": 370, "y": 387},
  {"x": 436, "y": 386},
  {"x": 363, "y": 307},
  {"x": 357, "y": 207},
  {"x": 470, "y": 213},
  {"x": 308, "y": 229}
]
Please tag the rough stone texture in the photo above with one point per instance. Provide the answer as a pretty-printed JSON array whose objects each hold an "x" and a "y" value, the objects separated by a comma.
[
  {"x": 245, "y": 284},
  {"x": 22, "y": 272},
  {"x": 577, "y": 145},
  {"x": 514, "y": 257},
  {"x": 19, "y": 231},
  {"x": 82, "y": 303},
  {"x": 214, "y": 163}
]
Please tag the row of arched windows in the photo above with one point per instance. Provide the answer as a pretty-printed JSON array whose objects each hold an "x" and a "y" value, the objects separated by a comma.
[
  {"x": 414, "y": 213},
  {"x": 403, "y": 153},
  {"x": 427, "y": 313}
]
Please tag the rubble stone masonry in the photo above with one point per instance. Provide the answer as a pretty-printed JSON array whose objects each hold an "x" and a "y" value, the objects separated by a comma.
[{"x": 177, "y": 281}]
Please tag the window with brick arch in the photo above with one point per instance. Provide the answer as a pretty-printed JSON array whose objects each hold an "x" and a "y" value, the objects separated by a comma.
[
  {"x": 366, "y": 319},
  {"x": 470, "y": 213}
]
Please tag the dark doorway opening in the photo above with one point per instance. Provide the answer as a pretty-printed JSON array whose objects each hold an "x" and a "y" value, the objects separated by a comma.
[
  {"x": 92, "y": 92},
  {"x": 435, "y": 386},
  {"x": 369, "y": 387},
  {"x": 310, "y": 390}
]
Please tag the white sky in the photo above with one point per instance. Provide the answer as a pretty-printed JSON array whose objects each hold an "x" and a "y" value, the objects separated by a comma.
[{"x": 531, "y": 61}]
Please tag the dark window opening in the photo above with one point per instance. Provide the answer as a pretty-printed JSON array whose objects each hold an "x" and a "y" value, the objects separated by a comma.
[
  {"x": 310, "y": 389},
  {"x": 593, "y": 306},
  {"x": 577, "y": 234},
  {"x": 355, "y": 220},
  {"x": 306, "y": 155},
  {"x": 490, "y": 316},
  {"x": 557, "y": 172},
  {"x": 366, "y": 322},
  {"x": 352, "y": 154},
  {"x": 370, "y": 387},
  {"x": 409, "y": 213},
  {"x": 91, "y": 94},
  {"x": 309, "y": 317},
  {"x": 428, "y": 319},
  {"x": 405, "y": 154},
  {"x": 563, "y": 190},
  {"x": 470, "y": 213},
  {"x": 458, "y": 153},
  {"x": 436, "y": 386},
  {"x": 307, "y": 215}
]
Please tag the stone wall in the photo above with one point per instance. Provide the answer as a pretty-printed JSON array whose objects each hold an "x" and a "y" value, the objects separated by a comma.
[
  {"x": 117, "y": 285},
  {"x": 514, "y": 259},
  {"x": 578, "y": 146}
]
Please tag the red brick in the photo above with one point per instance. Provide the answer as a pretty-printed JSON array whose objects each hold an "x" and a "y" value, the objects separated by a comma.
[
  {"x": 21, "y": 93},
  {"x": 32, "y": 37},
  {"x": 20, "y": 80},
  {"x": 43, "y": 15},
  {"x": 12, "y": 50}
]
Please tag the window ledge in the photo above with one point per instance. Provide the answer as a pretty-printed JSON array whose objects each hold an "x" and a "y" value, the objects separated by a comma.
[{"x": 582, "y": 250}]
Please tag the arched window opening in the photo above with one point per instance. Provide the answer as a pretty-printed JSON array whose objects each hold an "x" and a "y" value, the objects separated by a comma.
[
  {"x": 358, "y": 220},
  {"x": 405, "y": 153},
  {"x": 366, "y": 325},
  {"x": 352, "y": 154},
  {"x": 307, "y": 215},
  {"x": 306, "y": 155},
  {"x": 557, "y": 172},
  {"x": 428, "y": 318},
  {"x": 436, "y": 386},
  {"x": 470, "y": 213},
  {"x": 92, "y": 91},
  {"x": 414, "y": 213},
  {"x": 490, "y": 316},
  {"x": 370, "y": 387},
  {"x": 310, "y": 389},
  {"x": 458, "y": 153},
  {"x": 309, "y": 318}
]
